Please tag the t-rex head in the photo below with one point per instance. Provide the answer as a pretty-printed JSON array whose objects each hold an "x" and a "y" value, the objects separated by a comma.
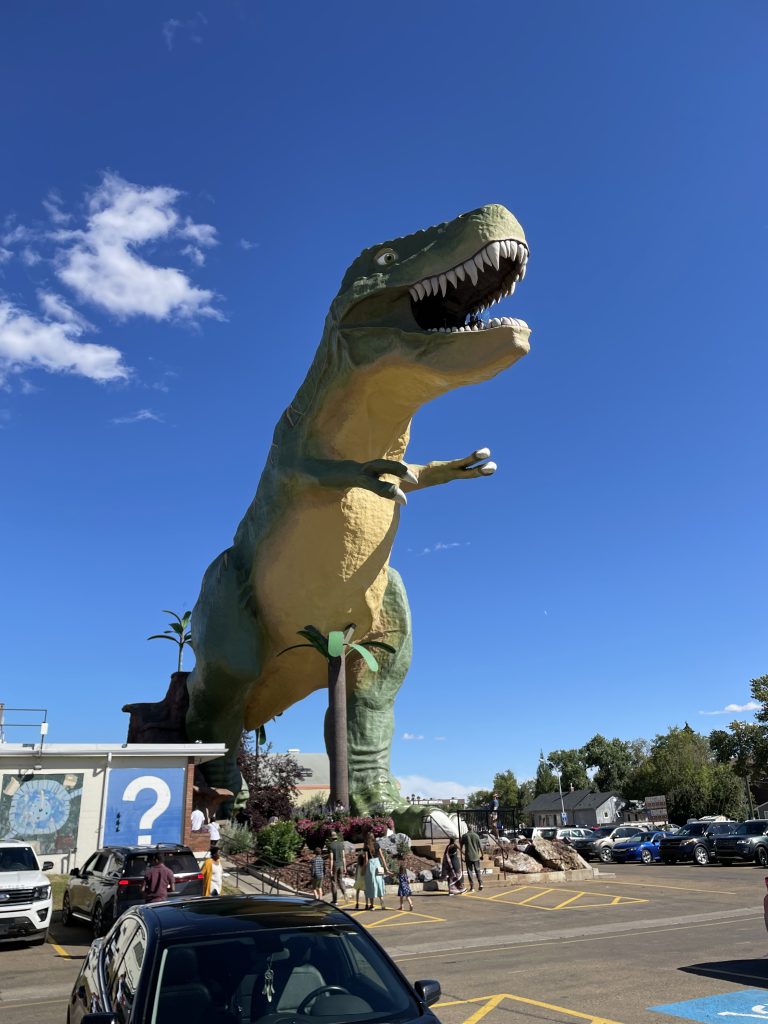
[{"x": 417, "y": 299}]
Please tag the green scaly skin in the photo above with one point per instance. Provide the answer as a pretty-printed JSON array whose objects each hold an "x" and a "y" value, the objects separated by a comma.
[{"x": 314, "y": 545}]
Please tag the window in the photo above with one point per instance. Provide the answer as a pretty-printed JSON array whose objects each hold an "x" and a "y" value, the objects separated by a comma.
[
  {"x": 115, "y": 947},
  {"x": 124, "y": 969},
  {"x": 17, "y": 858}
]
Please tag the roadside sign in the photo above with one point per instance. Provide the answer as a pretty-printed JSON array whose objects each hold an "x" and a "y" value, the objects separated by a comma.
[
  {"x": 564, "y": 817},
  {"x": 656, "y": 806}
]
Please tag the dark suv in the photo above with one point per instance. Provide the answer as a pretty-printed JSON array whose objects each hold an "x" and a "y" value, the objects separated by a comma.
[
  {"x": 748, "y": 842},
  {"x": 695, "y": 841},
  {"x": 111, "y": 881}
]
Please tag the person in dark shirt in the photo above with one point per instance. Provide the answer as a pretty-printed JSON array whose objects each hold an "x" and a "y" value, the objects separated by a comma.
[
  {"x": 473, "y": 853},
  {"x": 158, "y": 880},
  {"x": 338, "y": 867}
]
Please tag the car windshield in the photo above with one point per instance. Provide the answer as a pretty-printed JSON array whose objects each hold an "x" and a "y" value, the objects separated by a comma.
[
  {"x": 695, "y": 829},
  {"x": 269, "y": 976},
  {"x": 18, "y": 858},
  {"x": 751, "y": 828}
]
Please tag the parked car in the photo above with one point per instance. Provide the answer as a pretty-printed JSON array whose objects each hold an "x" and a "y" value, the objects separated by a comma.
[
  {"x": 749, "y": 841},
  {"x": 243, "y": 958},
  {"x": 643, "y": 848},
  {"x": 112, "y": 879},
  {"x": 25, "y": 894},
  {"x": 543, "y": 831},
  {"x": 569, "y": 834},
  {"x": 695, "y": 841},
  {"x": 600, "y": 845}
]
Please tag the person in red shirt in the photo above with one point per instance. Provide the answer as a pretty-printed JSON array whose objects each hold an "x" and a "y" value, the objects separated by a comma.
[{"x": 158, "y": 880}]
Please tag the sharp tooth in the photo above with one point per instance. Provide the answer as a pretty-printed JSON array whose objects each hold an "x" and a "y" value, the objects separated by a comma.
[
  {"x": 435, "y": 285},
  {"x": 505, "y": 249},
  {"x": 451, "y": 275},
  {"x": 426, "y": 286},
  {"x": 443, "y": 282},
  {"x": 486, "y": 254},
  {"x": 506, "y": 322},
  {"x": 495, "y": 322},
  {"x": 419, "y": 289},
  {"x": 494, "y": 251},
  {"x": 512, "y": 250},
  {"x": 460, "y": 272},
  {"x": 479, "y": 263},
  {"x": 522, "y": 323},
  {"x": 471, "y": 269},
  {"x": 511, "y": 288},
  {"x": 414, "y": 294},
  {"x": 521, "y": 275}
]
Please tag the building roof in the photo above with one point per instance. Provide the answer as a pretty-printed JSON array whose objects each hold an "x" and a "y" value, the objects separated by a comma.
[
  {"x": 318, "y": 766},
  {"x": 198, "y": 752},
  {"x": 577, "y": 799}
]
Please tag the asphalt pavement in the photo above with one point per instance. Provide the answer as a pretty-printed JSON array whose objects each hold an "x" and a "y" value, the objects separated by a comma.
[{"x": 601, "y": 951}]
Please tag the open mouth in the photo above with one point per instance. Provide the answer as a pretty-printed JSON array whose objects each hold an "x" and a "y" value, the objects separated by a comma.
[{"x": 452, "y": 301}]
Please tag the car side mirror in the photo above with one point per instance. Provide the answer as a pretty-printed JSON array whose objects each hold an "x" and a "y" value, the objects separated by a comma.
[
  {"x": 99, "y": 1018},
  {"x": 74, "y": 873},
  {"x": 47, "y": 865},
  {"x": 428, "y": 992}
]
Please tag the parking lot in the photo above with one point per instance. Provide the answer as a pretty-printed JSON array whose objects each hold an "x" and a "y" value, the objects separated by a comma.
[{"x": 601, "y": 951}]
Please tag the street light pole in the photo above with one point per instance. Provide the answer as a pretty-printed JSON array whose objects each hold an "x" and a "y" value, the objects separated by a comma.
[{"x": 563, "y": 819}]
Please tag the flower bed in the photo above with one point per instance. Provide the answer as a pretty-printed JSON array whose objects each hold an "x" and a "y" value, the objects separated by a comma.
[{"x": 316, "y": 832}]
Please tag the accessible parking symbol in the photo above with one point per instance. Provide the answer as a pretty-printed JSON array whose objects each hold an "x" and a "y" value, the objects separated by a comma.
[{"x": 747, "y": 1005}]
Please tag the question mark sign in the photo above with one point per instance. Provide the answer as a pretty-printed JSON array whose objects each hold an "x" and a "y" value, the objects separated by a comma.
[{"x": 162, "y": 792}]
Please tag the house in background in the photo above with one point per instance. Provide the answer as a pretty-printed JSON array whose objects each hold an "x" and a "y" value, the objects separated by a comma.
[
  {"x": 581, "y": 806},
  {"x": 318, "y": 781}
]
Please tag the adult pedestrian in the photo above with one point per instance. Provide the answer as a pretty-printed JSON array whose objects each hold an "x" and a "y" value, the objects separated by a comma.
[
  {"x": 213, "y": 874},
  {"x": 338, "y": 866},
  {"x": 451, "y": 869},
  {"x": 317, "y": 872},
  {"x": 214, "y": 834},
  {"x": 375, "y": 869},
  {"x": 494, "y": 815},
  {"x": 197, "y": 820},
  {"x": 473, "y": 854},
  {"x": 158, "y": 880}
]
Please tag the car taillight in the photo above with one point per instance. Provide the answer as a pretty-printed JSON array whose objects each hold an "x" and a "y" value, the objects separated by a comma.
[
  {"x": 200, "y": 878},
  {"x": 123, "y": 881}
]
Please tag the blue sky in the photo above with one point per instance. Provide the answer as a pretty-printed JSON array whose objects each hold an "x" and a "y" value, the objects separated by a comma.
[{"x": 182, "y": 189}]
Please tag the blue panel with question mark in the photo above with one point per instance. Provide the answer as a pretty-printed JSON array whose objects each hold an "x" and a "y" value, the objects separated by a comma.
[{"x": 144, "y": 806}]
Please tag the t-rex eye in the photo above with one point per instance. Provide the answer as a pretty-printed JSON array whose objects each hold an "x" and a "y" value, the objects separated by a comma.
[{"x": 385, "y": 256}]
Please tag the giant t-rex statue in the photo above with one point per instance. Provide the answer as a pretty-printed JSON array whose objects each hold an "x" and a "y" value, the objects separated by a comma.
[{"x": 314, "y": 546}]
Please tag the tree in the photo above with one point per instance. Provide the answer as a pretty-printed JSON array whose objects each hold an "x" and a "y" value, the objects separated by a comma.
[
  {"x": 570, "y": 765},
  {"x": 335, "y": 648},
  {"x": 546, "y": 780},
  {"x": 272, "y": 781},
  {"x": 526, "y": 793},
  {"x": 178, "y": 633},
  {"x": 615, "y": 761},
  {"x": 506, "y": 788},
  {"x": 743, "y": 746},
  {"x": 480, "y": 798},
  {"x": 759, "y": 690}
]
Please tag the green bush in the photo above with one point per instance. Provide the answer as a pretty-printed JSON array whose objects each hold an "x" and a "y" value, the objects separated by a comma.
[
  {"x": 279, "y": 843},
  {"x": 237, "y": 838}
]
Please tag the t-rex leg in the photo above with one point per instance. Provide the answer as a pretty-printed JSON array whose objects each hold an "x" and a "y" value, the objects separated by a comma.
[
  {"x": 227, "y": 641},
  {"x": 370, "y": 706}
]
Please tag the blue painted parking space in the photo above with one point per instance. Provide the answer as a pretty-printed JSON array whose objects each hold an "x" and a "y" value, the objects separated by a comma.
[{"x": 748, "y": 1005}]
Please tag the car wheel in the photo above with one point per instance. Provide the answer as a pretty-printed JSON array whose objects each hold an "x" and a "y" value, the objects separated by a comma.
[
  {"x": 97, "y": 921},
  {"x": 701, "y": 856},
  {"x": 606, "y": 854},
  {"x": 66, "y": 911},
  {"x": 646, "y": 856},
  {"x": 761, "y": 857}
]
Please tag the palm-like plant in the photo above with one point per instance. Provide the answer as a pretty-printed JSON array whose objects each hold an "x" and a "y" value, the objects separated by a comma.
[
  {"x": 334, "y": 648},
  {"x": 178, "y": 633}
]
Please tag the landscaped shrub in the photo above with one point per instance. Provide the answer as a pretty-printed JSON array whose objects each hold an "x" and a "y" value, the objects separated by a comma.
[
  {"x": 237, "y": 838},
  {"x": 316, "y": 833},
  {"x": 278, "y": 843}
]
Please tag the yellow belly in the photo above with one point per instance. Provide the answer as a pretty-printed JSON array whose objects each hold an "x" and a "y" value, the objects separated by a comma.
[{"x": 324, "y": 564}]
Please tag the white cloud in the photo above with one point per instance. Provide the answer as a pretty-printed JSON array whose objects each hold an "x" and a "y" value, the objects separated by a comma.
[
  {"x": 5, "y": 255},
  {"x": 27, "y": 342},
  {"x": 191, "y": 28},
  {"x": 30, "y": 257},
  {"x": 196, "y": 255},
  {"x": 15, "y": 234},
  {"x": 245, "y": 244},
  {"x": 27, "y": 387},
  {"x": 139, "y": 417},
  {"x": 101, "y": 265},
  {"x": 441, "y": 546},
  {"x": 735, "y": 709},
  {"x": 419, "y": 785},
  {"x": 57, "y": 308},
  {"x": 52, "y": 204},
  {"x": 411, "y": 736}
]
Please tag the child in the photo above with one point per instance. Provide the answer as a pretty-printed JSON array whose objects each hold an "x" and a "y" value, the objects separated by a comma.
[
  {"x": 317, "y": 871},
  {"x": 403, "y": 886},
  {"x": 359, "y": 879}
]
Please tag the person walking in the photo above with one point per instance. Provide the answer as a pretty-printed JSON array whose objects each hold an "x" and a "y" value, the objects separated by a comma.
[
  {"x": 213, "y": 834},
  {"x": 494, "y": 814},
  {"x": 403, "y": 885},
  {"x": 317, "y": 871},
  {"x": 451, "y": 869},
  {"x": 338, "y": 866},
  {"x": 375, "y": 869},
  {"x": 213, "y": 874},
  {"x": 473, "y": 854},
  {"x": 360, "y": 880},
  {"x": 158, "y": 880},
  {"x": 197, "y": 820}
]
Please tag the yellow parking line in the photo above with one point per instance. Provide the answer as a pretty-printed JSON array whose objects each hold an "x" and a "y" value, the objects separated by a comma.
[
  {"x": 59, "y": 949},
  {"x": 680, "y": 888},
  {"x": 493, "y": 1001},
  {"x": 571, "y": 900},
  {"x": 529, "y": 899}
]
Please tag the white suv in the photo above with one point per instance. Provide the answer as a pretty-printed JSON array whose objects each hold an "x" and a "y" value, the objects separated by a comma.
[{"x": 25, "y": 894}]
